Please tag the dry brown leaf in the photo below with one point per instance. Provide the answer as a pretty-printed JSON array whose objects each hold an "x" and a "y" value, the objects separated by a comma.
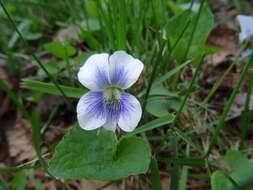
[
  {"x": 91, "y": 185},
  {"x": 165, "y": 180},
  {"x": 238, "y": 105},
  {"x": 20, "y": 140},
  {"x": 224, "y": 38},
  {"x": 66, "y": 34}
]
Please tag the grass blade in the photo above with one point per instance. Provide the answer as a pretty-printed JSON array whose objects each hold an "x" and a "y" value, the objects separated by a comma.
[
  {"x": 189, "y": 90},
  {"x": 228, "y": 106},
  {"x": 246, "y": 113},
  {"x": 155, "y": 176},
  {"x": 166, "y": 76},
  {"x": 14, "y": 98},
  {"x": 19, "y": 181},
  {"x": 33, "y": 55},
  {"x": 19, "y": 168},
  {"x": 3, "y": 185},
  {"x": 153, "y": 124},
  {"x": 49, "y": 88}
]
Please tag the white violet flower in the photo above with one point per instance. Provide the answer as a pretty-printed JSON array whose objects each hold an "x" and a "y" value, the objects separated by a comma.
[
  {"x": 246, "y": 25},
  {"x": 107, "y": 105}
]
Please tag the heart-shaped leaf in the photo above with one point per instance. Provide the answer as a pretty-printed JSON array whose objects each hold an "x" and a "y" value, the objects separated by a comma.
[
  {"x": 220, "y": 181},
  {"x": 98, "y": 155},
  {"x": 242, "y": 169}
]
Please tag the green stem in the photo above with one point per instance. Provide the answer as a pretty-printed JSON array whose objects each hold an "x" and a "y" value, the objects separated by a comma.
[
  {"x": 175, "y": 45},
  {"x": 175, "y": 169},
  {"x": 152, "y": 77},
  {"x": 217, "y": 84},
  {"x": 190, "y": 41},
  {"x": 193, "y": 30},
  {"x": 189, "y": 90},
  {"x": 246, "y": 113},
  {"x": 15, "y": 99},
  {"x": 227, "y": 107},
  {"x": 121, "y": 25},
  {"x": 19, "y": 168},
  {"x": 33, "y": 120},
  {"x": 69, "y": 68}
]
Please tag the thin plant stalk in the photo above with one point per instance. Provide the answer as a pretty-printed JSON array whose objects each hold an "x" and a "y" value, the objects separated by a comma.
[
  {"x": 152, "y": 77},
  {"x": 189, "y": 90},
  {"x": 175, "y": 175},
  {"x": 218, "y": 83},
  {"x": 175, "y": 169},
  {"x": 121, "y": 26},
  {"x": 32, "y": 119},
  {"x": 194, "y": 29},
  {"x": 227, "y": 107},
  {"x": 69, "y": 68},
  {"x": 15, "y": 99},
  {"x": 190, "y": 41},
  {"x": 246, "y": 113},
  {"x": 175, "y": 44}
]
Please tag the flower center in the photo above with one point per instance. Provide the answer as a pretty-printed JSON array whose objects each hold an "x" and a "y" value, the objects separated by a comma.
[{"x": 112, "y": 95}]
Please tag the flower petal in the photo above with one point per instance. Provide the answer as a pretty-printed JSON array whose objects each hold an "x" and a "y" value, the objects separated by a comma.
[
  {"x": 113, "y": 112},
  {"x": 246, "y": 25},
  {"x": 110, "y": 125},
  {"x": 94, "y": 74},
  {"x": 124, "y": 69},
  {"x": 130, "y": 112},
  {"x": 246, "y": 53},
  {"x": 90, "y": 111}
]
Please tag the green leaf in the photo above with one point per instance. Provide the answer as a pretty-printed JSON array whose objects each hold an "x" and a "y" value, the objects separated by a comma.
[
  {"x": 174, "y": 7},
  {"x": 161, "y": 91},
  {"x": 153, "y": 124},
  {"x": 220, "y": 181},
  {"x": 158, "y": 108},
  {"x": 91, "y": 24},
  {"x": 50, "y": 88},
  {"x": 3, "y": 185},
  {"x": 98, "y": 155},
  {"x": 242, "y": 168},
  {"x": 36, "y": 181},
  {"x": 164, "y": 78},
  {"x": 155, "y": 176},
  {"x": 52, "y": 67},
  {"x": 91, "y": 8},
  {"x": 19, "y": 181},
  {"x": 60, "y": 49},
  {"x": 24, "y": 27},
  {"x": 176, "y": 26}
]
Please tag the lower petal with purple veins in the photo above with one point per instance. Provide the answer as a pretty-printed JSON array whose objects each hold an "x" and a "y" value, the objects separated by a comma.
[
  {"x": 131, "y": 112},
  {"x": 113, "y": 111},
  {"x": 91, "y": 111},
  {"x": 126, "y": 113}
]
